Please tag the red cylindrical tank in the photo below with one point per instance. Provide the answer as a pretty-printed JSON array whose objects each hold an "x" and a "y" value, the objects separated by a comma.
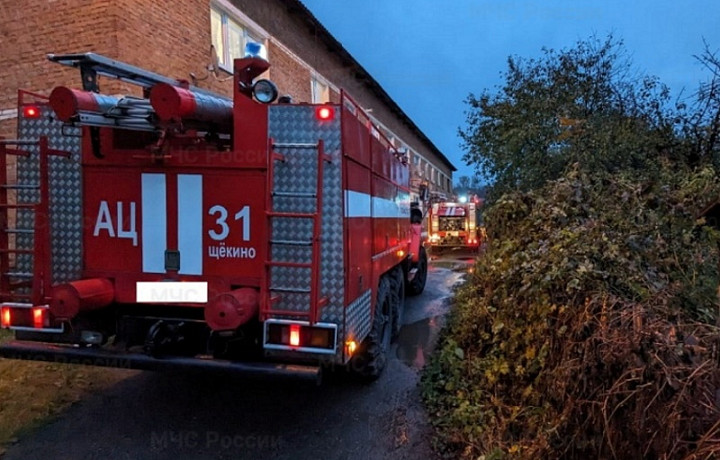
[
  {"x": 230, "y": 310},
  {"x": 67, "y": 102},
  {"x": 84, "y": 295},
  {"x": 175, "y": 104}
]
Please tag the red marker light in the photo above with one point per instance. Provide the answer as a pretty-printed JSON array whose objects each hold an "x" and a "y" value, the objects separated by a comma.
[
  {"x": 325, "y": 113},
  {"x": 5, "y": 322},
  {"x": 295, "y": 335},
  {"x": 31, "y": 111},
  {"x": 38, "y": 317}
]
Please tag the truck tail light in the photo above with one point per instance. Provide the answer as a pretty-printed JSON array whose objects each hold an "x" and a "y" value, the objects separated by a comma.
[
  {"x": 292, "y": 335},
  {"x": 26, "y": 317},
  {"x": 5, "y": 317},
  {"x": 295, "y": 335},
  {"x": 39, "y": 317}
]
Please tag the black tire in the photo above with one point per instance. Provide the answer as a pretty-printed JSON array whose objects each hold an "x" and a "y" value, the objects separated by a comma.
[
  {"x": 367, "y": 365},
  {"x": 417, "y": 285},
  {"x": 397, "y": 278}
]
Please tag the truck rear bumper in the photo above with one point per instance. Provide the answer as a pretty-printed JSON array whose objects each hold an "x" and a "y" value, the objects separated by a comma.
[{"x": 36, "y": 351}]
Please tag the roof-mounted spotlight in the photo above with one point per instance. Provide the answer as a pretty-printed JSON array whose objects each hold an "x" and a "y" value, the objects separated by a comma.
[{"x": 265, "y": 91}]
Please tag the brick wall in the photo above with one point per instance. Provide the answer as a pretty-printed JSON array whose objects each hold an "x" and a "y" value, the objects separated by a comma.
[
  {"x": 290, "y": 76},
  {"x": 170, "y": 37},
  {"x": 32, "y": 28}
]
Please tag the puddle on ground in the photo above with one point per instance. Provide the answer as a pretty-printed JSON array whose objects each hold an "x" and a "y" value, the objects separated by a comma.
[
  {"x": 458, "y": 265},
  {"x": 417, "y": 340}
]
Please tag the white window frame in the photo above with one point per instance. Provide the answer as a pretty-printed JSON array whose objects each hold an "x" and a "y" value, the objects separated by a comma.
[
  {"x": 319, "y": 88},
  {"x": 228, "y": 21}
]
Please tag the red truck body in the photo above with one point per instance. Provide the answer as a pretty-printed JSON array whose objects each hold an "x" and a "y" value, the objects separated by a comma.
[{"x": 205, "y": 232}]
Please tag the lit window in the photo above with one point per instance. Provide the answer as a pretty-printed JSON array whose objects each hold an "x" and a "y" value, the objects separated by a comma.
[
  {"x": 320, "y": 92},
  {"x": 229, "y": 38}
]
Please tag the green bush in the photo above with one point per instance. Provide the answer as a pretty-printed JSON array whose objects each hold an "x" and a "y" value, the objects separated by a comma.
[{"x": 584, "y": 330}]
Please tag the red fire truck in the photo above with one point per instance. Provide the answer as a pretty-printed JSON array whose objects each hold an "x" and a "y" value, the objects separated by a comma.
[
  {"x": 183, "y": 229},
  {"x": 454, "y": 225}
]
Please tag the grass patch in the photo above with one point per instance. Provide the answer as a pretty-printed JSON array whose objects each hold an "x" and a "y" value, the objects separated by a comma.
[{"x": 34, "y": 392}]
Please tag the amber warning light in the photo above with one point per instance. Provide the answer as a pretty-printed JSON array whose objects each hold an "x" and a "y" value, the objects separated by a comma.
[
  {"x": 325, "y": 113},
  {"x": 31, "y": 111}
]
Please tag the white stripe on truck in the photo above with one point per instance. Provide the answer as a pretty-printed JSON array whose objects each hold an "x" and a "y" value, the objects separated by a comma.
[
  {"x": 154, "y": 222},
  {"x": 190, "y": 220}
]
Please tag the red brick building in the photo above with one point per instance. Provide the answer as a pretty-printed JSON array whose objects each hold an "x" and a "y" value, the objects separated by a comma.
[{"x": 174, "y": 38}]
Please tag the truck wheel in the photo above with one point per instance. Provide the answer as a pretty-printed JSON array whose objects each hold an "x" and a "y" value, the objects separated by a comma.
[
  {"x": 369, "y": 363},
  {"x": 417, "y": 285},
  {"x": 398, "y": 300}
]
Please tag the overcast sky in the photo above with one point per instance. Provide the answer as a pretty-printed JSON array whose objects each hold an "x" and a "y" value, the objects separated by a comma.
[{"x": 430, "y": 54}]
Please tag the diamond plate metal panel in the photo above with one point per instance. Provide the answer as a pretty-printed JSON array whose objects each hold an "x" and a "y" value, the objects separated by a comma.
[
  {"x": 297, "y": 175},
  {"x": 65, "y": 195},
  {"x": 359, "y": 320}
]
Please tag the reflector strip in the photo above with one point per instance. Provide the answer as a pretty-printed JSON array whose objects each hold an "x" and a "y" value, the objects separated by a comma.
[
  {"x": 154, "y": 223},
  {"x": 190, "y": 220}
]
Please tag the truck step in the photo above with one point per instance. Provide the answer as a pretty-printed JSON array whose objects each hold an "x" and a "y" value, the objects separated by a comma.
[
  {"x": 20, "y": 186},
  {"x": 290, "y": 289},
  {"x": 18, "y": 205},
  {"x": 292, "y": 215},
  {"x": 27, "y": 231},
  {"x": 287, "y": 264},
  {"x": 18, "y": 274},
  {"x": 295, "y": 194},
  {"x": 295, "y": 145},
  {"x": 15, "y": 295},
  {"x": 292, "y": 242},
  {"x": 18, "y": 142},
  {"x": 16, "y": 251}
]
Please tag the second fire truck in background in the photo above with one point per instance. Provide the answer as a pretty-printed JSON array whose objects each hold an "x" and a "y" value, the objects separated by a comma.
[{"x": 453, "y": 225}]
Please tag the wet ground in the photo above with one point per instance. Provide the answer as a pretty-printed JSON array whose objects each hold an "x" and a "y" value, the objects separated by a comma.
[{"x": 181, "y": 416}]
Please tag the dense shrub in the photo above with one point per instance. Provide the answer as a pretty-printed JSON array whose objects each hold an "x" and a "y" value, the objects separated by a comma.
[{"x": 585, "y": 330}]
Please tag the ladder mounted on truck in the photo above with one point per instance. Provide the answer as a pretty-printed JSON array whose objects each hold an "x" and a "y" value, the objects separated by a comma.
[
  {"x": 272, "y": 292},
  {"x": 39, "y": 280},
  {"x": 92, "y": 65}
]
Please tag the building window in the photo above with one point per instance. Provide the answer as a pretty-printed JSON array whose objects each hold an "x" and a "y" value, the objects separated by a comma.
[
  {"x": 229, "y": 38},
  {"x": 320, "y": 91}
]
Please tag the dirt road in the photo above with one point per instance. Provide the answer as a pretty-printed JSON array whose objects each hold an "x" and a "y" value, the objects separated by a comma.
[{"x": 181, "y": 416}]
